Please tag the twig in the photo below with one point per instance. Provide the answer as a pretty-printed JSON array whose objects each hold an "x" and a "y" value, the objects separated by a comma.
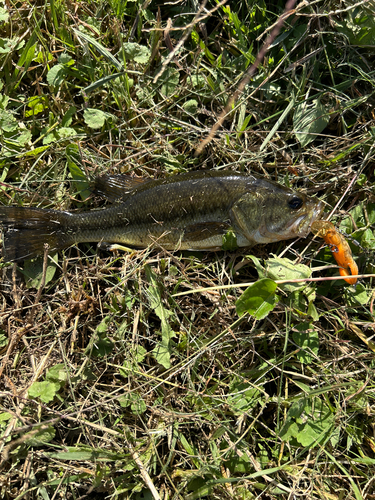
[
  {"x": 169, "y": 58},
  {"x": 249, "y": 74}
]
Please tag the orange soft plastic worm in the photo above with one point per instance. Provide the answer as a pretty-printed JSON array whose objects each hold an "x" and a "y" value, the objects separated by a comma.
[{"x": 340, "y": 248}]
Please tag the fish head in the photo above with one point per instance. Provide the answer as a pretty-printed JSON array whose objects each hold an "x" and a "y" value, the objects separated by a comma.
[{"x": 273, "y": 213}]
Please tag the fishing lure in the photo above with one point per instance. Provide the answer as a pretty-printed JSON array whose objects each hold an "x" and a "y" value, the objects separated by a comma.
[{"x": 339, "y": 247}]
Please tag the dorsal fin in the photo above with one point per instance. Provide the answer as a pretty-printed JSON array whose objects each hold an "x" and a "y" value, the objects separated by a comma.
[{"x": 116, "y": 187}]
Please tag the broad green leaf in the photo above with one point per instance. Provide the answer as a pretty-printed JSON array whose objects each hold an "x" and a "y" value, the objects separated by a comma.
[
  {"x": 197, "y": 81},
  {"x": 134, "y": 400},
  {"x": 4, "y": 99},
  {"x": 138, "y": 407},
  {"x": 66, "y": 59},
  {"x": 135, "y": 52},
  {"x": 100, "y": 345},
  {"x": 229, "y": 241},
  {"x": 58, "y": 374},
  {"x": 95, "y": 118},
  {"x": 33, "y": 270},
  {"x": 37, "y": 104},
  {"x": 191, "y": 106},
  {"x": 45, "y": 391},
  {"x": 277, "y": 268},
  {"x": 59, "y": 134},
  {"x": 309, "y": 421},
  {"x": 259, "y": 299},
  {"x": 5, "y": 416},
  {"x": 242, "y": 398},
  {"x": 43, "y": 57},
  {"x": 8, "y": 121},
  {"x": 359, "y": 296},
  {"x": 307, "y": 338},
  {"x": 4, "y": 15},
  {"x": 24, "y": 138},
  {"x": 358, "y": 25},
  {"x": 239, "y": 464},
  {"x": 56, "y": 75},
  {"x": 162, "y": 354},
  {"x": 41, "y": 437},
  {"x": 309, "y": 120},
  {"x": 168, "y": 81},
  {"x": 9, "y": 44}
]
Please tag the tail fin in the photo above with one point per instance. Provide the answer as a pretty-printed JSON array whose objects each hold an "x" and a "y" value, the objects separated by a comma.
[{"x": 27, "y": 230}]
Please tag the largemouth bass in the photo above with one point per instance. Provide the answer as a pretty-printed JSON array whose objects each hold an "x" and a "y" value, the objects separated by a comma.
[{"x": 190, "y": 211}]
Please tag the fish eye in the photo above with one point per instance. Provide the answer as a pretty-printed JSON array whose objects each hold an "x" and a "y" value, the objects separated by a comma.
[{"x": 295, "y": 202}]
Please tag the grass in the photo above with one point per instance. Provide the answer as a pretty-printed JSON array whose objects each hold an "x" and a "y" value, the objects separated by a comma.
[{"x": 142, "y": 375}]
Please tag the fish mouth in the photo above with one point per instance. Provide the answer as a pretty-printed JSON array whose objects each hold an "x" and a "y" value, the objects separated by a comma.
[{"x": 302, "y": 225}]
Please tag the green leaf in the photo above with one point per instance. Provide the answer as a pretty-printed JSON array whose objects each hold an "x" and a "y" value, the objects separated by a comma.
[
  {"x": 36, "y": 151},
  {"x": 100, "y": 345},
  {"x": 135, "y": 52},
  {"x": 42, "y": 437},
  {"x": 68, "y": 116},
  {"x": 59, "y": 134},
  {"x": 229, "y": 241},
  {"x": 309, "y": 421},
  {"x": 102, "y": 50},
  {"x": 4, "y": 99},
  {"x": 45, "y": 391},
  {"x": 243, "y": 397},
  {"x": 24, "y": 138},
  {"x": 307, "y": 338},
  {"x": 358, "y": 25},
  {"x": 4, "y": 15},
  {"x": 162, "y": 354},
  {"x": 56, "y": 75},
  {"x": 95, "y": 118},
  {"x": 277, "y": 268},
  {"x": 191, "y": 106},
  {"x": 134, "y": 400},
  {"x": 259, "y": 299},
  {"x": 168, "y": 81},
  {"x": 8, "y": 121},
  {"x": 86, "y": 453},
  {"x": 5, "y": 416},
  {"x": 359, "y": 296},
  {"x": 102, "y": 81},
  {"x": 162, "y": 350},
  {"x": 309, "y": 120},
  {"x": 58, "y": 374},
  {"x": 33, "y": 270},
  {"x": 37, "y": 104},
  {"x": 81, "y": 183}
]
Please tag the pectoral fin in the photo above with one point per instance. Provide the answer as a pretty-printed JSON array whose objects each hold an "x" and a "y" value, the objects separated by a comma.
[{"x": 204, "y": 230}]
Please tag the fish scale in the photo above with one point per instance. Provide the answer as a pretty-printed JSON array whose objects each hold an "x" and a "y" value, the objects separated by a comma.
[{"x": 184, "y": 211}]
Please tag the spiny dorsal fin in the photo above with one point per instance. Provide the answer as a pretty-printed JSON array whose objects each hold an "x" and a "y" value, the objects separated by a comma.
[{"x": 116, "y": 187}]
